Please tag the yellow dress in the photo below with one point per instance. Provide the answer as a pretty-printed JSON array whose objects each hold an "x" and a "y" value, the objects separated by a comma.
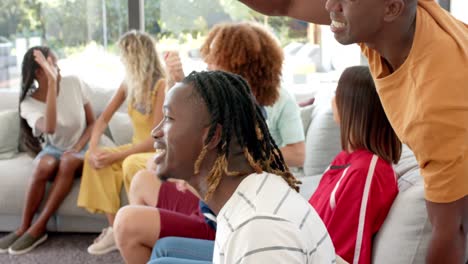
[{"x": 100, "y": 189}]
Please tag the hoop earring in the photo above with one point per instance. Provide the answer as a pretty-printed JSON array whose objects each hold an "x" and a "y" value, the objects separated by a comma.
[{"x": 33, "y": 88}]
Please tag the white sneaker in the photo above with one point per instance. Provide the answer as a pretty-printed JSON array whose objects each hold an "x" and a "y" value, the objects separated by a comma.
[{"x": 104, "y": 243}]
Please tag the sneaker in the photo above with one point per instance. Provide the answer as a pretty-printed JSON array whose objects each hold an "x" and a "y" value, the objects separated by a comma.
[
  {"x": 26, "y": 243},
  {"x": 7, "y": 241},
  {"x": 104, "y": 243}
]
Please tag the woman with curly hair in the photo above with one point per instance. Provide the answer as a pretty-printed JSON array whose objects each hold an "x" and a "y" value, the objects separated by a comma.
[
  {"x": 238, "y": 48},
  {"x": 105, "y": 169},
  {"x": 249, "y": 50}
]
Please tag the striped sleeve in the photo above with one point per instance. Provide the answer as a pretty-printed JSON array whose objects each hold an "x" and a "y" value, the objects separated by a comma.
[{"x": 265, "y": 239}]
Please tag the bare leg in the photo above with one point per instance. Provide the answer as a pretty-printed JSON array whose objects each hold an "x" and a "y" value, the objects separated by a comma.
[
  {"x": 110, "y": 219},
  {"x": 137, "y": 229},
  {"x": 144, "y": 189},
  {"x": 61, "y": 187},
  {"x": 449, "y": 231},
  {"x": 44, "y": 170}
]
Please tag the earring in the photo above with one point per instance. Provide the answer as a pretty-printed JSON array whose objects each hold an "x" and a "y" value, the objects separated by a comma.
[{"x": 33, "y": 88}]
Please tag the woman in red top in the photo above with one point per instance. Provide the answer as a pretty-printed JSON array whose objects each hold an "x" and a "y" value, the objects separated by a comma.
[{"x": 358, "y": 189}]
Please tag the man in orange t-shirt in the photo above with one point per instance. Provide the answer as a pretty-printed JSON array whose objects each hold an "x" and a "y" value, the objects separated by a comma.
[{"x": 418, "y": 56}]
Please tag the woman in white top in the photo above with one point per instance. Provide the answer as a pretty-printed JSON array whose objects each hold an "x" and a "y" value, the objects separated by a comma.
[{"x": 57, "y": 112}]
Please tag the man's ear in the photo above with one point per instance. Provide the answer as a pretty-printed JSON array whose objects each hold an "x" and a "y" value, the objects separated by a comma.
[
  {"x": 393, "y": 9},
  {"x": 216, "y": 139}
]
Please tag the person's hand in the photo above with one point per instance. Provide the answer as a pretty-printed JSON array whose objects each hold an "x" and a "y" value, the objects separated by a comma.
[
  {"x": 99, "y": 158},
  {"x": 47, "y": 65},
  {"x": 175, "y": 72},
  {"x": 105, "y": 159},
  {"x": 92, "y": 156}
]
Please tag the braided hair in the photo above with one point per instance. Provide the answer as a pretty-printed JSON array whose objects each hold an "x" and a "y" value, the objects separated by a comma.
[
  {"x": 28, "y": 142},
  {"x": 231, "y": 104}
]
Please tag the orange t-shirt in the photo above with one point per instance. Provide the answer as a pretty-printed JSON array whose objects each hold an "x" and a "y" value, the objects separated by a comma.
[{"x": 426, "y": 100}]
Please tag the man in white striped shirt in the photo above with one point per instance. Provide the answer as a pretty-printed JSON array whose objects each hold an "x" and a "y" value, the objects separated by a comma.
[
  {"x": 266, "y": 221},
  {"x": 215, "y": 137}
]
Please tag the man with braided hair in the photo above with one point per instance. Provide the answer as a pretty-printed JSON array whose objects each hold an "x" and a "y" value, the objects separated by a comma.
[{"x": 214, "y": 137}]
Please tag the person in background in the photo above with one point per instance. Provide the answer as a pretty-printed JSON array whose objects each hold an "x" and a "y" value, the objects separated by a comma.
[
  {"x": 240, "y": 48},
  {"x": 105, "y": 170},
  {"x": 55, "y": 110},
  {"x": 358, "y": 188}
]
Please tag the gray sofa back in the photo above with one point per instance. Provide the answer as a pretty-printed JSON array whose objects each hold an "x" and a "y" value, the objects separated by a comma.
[{"x": 322, "y": 140}]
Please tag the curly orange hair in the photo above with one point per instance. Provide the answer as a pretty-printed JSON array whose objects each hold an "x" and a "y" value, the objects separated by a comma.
[{"x": 249, "y": 50}]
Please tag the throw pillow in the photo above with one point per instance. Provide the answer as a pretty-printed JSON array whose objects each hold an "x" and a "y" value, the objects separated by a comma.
[
  {"x": 322, "y": 137},
  {"x": 9, "y": 133},
  {"x": 306, "y": 116}
]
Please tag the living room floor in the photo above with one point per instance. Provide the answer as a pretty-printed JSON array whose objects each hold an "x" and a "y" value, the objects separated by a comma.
[{"x": 61, "y": 248}]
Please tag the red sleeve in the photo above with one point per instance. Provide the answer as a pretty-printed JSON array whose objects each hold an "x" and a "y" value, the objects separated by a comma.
[{"x": 354, "y": 220}]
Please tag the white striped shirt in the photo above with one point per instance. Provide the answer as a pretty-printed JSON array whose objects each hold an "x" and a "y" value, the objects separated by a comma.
[{"x": 266, "y": 221}]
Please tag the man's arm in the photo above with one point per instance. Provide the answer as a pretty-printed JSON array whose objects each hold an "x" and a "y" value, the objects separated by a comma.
[
  {"x": 312, "y": 11},
  {"x": 294, "y": 154}
]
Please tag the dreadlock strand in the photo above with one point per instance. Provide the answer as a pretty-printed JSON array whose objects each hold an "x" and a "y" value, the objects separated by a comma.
[
  {"x": 215, "y": 176},
  {"x": 232, "y": 173},
  {"x": 198, "y": 162},
  {"x": 259, "y": 133},
  {"x": 252, "y": 162}
]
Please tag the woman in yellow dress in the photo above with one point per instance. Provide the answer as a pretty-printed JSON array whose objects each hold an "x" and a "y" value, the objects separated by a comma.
[{"x": 105, "y": 169}]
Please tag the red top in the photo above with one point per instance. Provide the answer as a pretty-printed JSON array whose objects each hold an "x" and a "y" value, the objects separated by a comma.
[{"x": 353, "y": 199}]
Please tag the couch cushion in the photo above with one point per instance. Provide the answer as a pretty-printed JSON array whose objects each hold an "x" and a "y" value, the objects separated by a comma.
[
  {"x": 9, "y": 99},
  {"x": 100, "y": 97},
  {"x": 407, "y": 162},
  {"x": 121, "y": 128},
  {"x": 9, "y": 131},
  {"x": 404, "y": 237},
  {"x": 323, "y": 135},
  {"x": 16, "y": 173},
  {"x": 306, "y": 117}
]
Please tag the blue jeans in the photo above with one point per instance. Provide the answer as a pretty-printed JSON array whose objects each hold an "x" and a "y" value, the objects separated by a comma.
[{"x": 181, "y": 250}]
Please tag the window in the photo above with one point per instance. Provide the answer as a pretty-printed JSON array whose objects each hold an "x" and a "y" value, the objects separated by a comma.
[
  {"x": 81, "y": 33},
  {"x": 84, "y": 34},
  {"x": 183, "y": 24}
]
